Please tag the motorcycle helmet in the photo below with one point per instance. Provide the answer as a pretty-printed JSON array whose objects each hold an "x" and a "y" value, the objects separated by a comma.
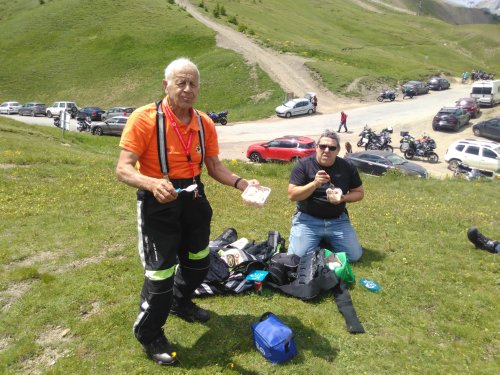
[{"x": 389, "y": 129}]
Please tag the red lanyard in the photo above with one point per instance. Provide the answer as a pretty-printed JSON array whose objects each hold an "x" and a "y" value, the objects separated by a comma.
[{"x": 187, "y": 147}]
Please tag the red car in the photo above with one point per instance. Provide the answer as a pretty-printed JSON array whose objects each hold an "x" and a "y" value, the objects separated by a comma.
[
  {"x": 286, "y": 148},
  {"x": 469, "y": 104}
]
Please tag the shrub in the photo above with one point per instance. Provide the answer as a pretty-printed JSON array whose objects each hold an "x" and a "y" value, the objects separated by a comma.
[{"x": 233, "y": 20}]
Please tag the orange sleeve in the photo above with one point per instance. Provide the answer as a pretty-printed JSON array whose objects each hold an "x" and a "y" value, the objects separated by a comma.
[{"x": 139, "y": 130}]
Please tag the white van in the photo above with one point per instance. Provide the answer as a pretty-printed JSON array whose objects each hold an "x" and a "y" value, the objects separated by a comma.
[{"x": 486, "y": 92}]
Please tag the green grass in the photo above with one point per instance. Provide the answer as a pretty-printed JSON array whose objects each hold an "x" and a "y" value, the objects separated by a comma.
[
  {"x": 114, "y": 53},
  {"x": 70, "y": 274},
  {"x": 345, "y": 41}
]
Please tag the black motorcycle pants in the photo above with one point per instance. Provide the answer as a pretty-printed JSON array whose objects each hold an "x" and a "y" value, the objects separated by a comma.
[{"x": 170, "y": 234}]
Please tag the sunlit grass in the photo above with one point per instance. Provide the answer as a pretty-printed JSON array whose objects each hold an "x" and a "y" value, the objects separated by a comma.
[{"x": 69, "y": 265}]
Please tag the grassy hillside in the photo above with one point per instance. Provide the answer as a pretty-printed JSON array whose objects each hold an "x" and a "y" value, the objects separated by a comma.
[
  {"x": 346, "y": 41},
  {"x": 113, "y": 53},
  {"x": 70, "y": 274},
  {"x": 447, "y": 11}
]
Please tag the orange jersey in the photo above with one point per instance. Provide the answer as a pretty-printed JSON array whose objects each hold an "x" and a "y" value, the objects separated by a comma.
[{"x": 139, "y": 137}]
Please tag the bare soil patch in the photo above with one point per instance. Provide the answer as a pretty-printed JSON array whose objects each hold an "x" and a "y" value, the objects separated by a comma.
[{"x": 52, "y": 340}]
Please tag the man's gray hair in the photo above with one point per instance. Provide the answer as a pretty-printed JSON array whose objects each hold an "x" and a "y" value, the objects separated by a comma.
[
  {"x": 327, "y": 133},
  {"x": 177, "y": 64}
]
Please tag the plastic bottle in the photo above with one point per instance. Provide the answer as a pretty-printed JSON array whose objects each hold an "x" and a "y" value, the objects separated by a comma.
[{"x": 371, "y": 285}]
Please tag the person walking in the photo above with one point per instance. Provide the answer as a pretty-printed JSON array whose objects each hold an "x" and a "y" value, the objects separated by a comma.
[
  {"x": 316, "y": 218},
  {"x": 171, "y": 142},
  {"x": 343, "y": 121}
]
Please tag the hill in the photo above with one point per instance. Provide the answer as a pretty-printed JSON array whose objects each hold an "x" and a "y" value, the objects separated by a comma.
[
  {"x": 458, "y": 12},
  {"x": 113, "y": 53}
]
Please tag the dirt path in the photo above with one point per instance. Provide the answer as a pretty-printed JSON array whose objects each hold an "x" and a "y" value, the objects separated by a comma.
[{"x": 289, "y": 71}]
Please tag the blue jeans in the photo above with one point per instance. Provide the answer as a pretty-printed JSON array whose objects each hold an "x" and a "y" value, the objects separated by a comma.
[{"x": 307, "y": 231}]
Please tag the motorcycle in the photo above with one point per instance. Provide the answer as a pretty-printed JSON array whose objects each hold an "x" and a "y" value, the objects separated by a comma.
[
  {"x": 424, "y": 148},
  {"x": 469, "y": 173},
  {"x": 380, "y": 141},
  {"x": 84, "y": 124},
  {"x": 364, "y": 136},
  {"x": 220, "y": 117},
  {"x": 405, "y": 141},
  {"x": 387, "y": 95}
]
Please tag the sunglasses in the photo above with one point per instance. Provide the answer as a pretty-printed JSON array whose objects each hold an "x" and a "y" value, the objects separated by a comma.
[{"x": 324, "y": 147}]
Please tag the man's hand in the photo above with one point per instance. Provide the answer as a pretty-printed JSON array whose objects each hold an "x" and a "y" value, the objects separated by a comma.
[
  {"x": 321, "y": 178},
  {"x": 163, "y": 190}
]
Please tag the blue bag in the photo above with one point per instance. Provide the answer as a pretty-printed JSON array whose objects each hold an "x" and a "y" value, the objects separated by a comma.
[{"x": 273, "y": 339}]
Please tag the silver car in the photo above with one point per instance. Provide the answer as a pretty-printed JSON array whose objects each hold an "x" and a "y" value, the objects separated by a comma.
[
  {"x": 112, "y": 126},
  {"x": 295, "y": 107},
  {"x": 9, "y": 107},
  {"x": 117, "y": 111}
]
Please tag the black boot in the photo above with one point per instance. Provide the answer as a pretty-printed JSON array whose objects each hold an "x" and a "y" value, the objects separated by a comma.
[
  {"x": 481, "y": 241},
  {"x": 160, "y": 351},
  {"x": 189, "y": 311}
]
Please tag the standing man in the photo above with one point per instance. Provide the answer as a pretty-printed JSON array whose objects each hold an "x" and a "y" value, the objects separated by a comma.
[
  {"x": 314, "y": 102},
  {"x": 315, "y": 217},
  {"x": 171, "y": 141},
  {"x": 343, "y": 122}
]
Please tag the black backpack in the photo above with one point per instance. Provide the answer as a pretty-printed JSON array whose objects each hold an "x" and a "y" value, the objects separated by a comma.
[
  {"x": 306, "y": 280},
  {"x": 264, "y": 250}
]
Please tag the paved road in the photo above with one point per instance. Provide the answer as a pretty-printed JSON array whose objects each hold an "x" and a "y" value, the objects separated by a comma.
[
  {"x": 409, "y": 114},
  {"x": 413, "y": 115}
]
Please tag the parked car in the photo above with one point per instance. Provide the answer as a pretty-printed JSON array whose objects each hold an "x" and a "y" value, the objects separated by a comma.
[
  {"x": 418, "y": 87},
  {"x": 286, "y": 148},
  {"x": 9, "y": 107},
  {"x": 450, "y": 118},
  {"x": 117, "y": 111},
  {"x": 379, "y": 162},
  {"x": 32, "y": 109},
  {"x": 295, "y": 107},
  {"x": 484, "y": 155},
  {"x": 488, "y": 129},
  {"x": 437, "y": 83},
  {"x": 470, "y": 105},
  {"x": 94, "y": 113},
  {"x": 112, "y": 126},
  {"x": 57, "y": 108}
]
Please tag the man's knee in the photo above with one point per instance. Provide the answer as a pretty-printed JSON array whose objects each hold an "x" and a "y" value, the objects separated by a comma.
[{"x": 354, "y": 254}]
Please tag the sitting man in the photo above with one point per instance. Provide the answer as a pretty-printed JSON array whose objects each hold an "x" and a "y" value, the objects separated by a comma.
[{"x": 318, "y": 217}]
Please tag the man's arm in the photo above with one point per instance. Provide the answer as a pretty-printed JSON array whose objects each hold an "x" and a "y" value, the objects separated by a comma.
[
  {"x": 354, "y": 195},
  {"x": 126, "y": 172},
  {"x": 222, "y": 174},
  {"x": 302, "y": 192}
]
